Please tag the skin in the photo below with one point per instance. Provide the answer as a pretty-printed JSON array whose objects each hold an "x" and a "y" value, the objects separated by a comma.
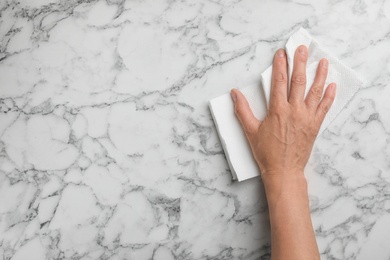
[{"x": 281, "y": 145}]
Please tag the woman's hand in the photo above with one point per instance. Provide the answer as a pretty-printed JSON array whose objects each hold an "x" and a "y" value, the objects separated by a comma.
[
  {"x": 282, "y": 142},
  {"x": 281, "y": 145}
]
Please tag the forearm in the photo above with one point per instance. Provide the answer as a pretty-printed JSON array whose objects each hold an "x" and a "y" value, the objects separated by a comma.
[{"x": 291, "y": 227}]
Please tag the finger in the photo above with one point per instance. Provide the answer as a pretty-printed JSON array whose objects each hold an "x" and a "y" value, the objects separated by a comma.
[
  {"x": 314, "y": 96},
  {"x": 244, "y": 113},
  {"x": 279, "y": 78},
  {"x": 326, "y": 103},
  {"x": 298, "y": 77}
]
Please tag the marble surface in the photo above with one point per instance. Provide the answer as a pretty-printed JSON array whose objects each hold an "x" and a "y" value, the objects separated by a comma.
[{"x": 108, "y": 149}]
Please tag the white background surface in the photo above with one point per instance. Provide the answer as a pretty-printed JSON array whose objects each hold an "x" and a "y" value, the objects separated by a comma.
[{"x": 108, "y": 149}]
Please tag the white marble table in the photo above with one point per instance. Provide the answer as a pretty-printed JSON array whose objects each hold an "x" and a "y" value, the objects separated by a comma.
[{"x": 108, "y": 150}]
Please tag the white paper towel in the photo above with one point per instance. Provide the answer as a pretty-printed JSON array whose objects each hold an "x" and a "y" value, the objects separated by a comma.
[{"x": 235, "y": 145}]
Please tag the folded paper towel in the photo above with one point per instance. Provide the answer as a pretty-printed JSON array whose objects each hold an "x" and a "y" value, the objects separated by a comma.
[{"x": 234, "y": 143}]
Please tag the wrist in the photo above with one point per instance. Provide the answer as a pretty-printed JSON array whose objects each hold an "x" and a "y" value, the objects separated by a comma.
[{"x": 288, "y": 183}]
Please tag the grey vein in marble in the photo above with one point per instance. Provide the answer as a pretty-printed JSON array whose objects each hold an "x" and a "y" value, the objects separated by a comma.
[{"x": 108, "y": 150}]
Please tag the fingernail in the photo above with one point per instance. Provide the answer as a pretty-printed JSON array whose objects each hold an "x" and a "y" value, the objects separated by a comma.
[
  {"x": 325, "y": 63},
  {"x": 234, "y": 96},
  {"x": 302, "y": 50},
  {"x": 281, "y": 53}
]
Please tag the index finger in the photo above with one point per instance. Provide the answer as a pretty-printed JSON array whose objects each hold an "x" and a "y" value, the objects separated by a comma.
[{"x": 279, "y": 78}]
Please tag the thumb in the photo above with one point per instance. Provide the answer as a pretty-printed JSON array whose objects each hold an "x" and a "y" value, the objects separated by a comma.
[{"x": 244, "y": 112}]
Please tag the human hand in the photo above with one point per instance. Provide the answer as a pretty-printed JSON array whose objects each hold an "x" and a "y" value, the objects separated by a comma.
[{"x": 282, "y": 142}]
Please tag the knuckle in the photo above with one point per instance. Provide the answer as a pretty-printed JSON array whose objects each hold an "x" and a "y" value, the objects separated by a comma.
[
  {"x": 280, "y": 77},
  {"x": 316, "y": 92},
  {"x": 277, "y": 114},
  {"x": 299, "y": 79},
  {"x": 280, "y": 116},
  {"x": 324, "y": 108},
  {"x": 277, "y": 108},
  {"x": 250, "y": 129},
  {"x": 301, "y": 114},
  {"x": 298, "y": 115},
  {"x": 274, "y": 113}
]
